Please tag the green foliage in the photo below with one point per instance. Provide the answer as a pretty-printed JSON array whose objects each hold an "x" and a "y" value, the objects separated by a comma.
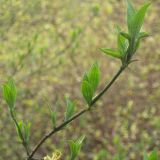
[
  {"x": 136, "y": 19},
  {"x": 153, "y": 155},
  {"x": 111, "y": 52},
  {"x": 122, "y": 42},
  {"x": 23, "y": 130},
  {"x": 129, "y": 42},
  {"x": 10, "y": 93},
  {"x": 87, "y": 91},
  {"x": 75, "y": 147},
  {"x": 93, "y": 76},
  {"x": 141, "y": 35},
  {"x": 95, "y": 9},
  {"x": 130, "y": 15},
  {"x": 52, "y": 115},
  {"x": 70, "y": 109},
  {"x": 125, "y": 35},
  {"x": 75, "y": 33},
  {"x": 90, "y": 83},
  {"x": 53, "y": 118},
  {"x": 102, "y": 155}
]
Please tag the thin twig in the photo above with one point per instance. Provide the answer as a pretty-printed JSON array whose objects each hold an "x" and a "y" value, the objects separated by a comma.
[
  {"x": 16, "y": 123},
  {"x": 61, "y": 126},
  {"x": 96, "y": 98}
]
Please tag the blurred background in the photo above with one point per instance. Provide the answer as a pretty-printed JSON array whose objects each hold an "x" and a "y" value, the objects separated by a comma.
[{"x": 47, "y": 45}]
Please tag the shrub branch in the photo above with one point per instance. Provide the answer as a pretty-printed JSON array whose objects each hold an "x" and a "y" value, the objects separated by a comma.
[{"x": 77, "y": 115}]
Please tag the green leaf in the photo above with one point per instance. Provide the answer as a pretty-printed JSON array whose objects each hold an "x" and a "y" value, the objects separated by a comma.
[
  {"x": 80, "y": 140},
  {"x": 85, "y": 77},
  {"x": 75, "y": 33},
  {"x": 75, "y": 147},
  {"x": 10, "y": 93},
  {"x": 95, "y": 8},
  {"x": 87, "y": 92},
  {"x": 140, "y": 36},
  {"x": 121, "y": 42},
  {"x": 145, "y": 156},
  {"x": 101, "y": 155},
  {"x": 130, "y": 15},
  {"x": 143, "y": 35},
  {"x": 125, "y": 35},
  {"x": 19, "y": 128},
  {"x": 153, "y": 155},
  {"x": 70, "y": 109},
  {"x": 138, "y": 20},
  {"x": 117, "y": 157},
  {"x": 23, "y": 130},
  {"x": 90, "y": 83},
  {"x": 111, "y": 52},
  {"x": 53, "y": 118},
  {"x": 122, "y": 45},
  {"x": 26, "y": 132},
  {"x": 137, "y": 44},
  {"x": 94, "y": 76}
]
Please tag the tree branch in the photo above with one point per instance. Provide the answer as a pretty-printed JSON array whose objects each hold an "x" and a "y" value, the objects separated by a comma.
[{"x": 61, "y": 126}]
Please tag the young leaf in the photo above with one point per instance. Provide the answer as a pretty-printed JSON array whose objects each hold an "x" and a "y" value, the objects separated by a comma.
[
  {"x": 130, "y": 15},
  {"x": 26, "y": 132},
  {"x": 75, "y": 33},
  {"x": 23, "y": 130},
  {"x": 111, "y": 52},
  {"x": 121, "y": 42},
  {"x": 75, "y": 147},
  {"x": 87, "y": 91},
  {"x": 138, "y": 20},
  {"x": 70, "y": 109},
  {"x": 19, "y": 128},
  {"x": 153, "y": 155},
  {"x": 125, "y": 35},
  {"x": 94, "y": 76},
  {"x": 80, "y": 140},
  {"x": 145, "y": 156},
  {"x": 53, "y": 118},
  {"x": 142, "y": 35},
  {"x": 95, "y": 9},
  {"x": 102, "y": 155},
  {"x": 10, "y": 93},
  {"x": 85, "y": 77},
  {"x": 122, "y": 45}
]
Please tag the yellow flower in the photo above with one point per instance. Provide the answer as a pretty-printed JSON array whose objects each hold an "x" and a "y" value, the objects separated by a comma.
[{"x": 55, "y": 156}]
